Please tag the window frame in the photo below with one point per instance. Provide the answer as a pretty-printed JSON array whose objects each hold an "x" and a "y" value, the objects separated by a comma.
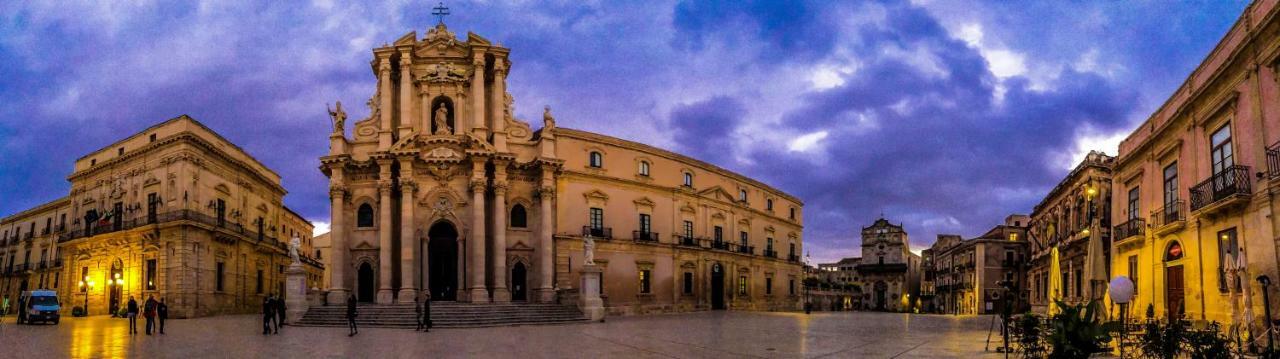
[
  {"x": 1221, "y": 154},
  {"x": 644, "y": 168},
  {"x": 595, "y": 159}
]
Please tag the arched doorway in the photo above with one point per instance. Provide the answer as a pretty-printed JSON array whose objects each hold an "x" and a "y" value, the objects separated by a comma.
[
  {"x": 114, "y": 289},
  {"x": 1175, "y": 296},
  {"x": 717, "y": 287},
  {"x": 519, "y": 290},
  {"x": 442, "y": 261},
  {"x": 364, "y": 283},
  {"x": 882, "y": 289}
]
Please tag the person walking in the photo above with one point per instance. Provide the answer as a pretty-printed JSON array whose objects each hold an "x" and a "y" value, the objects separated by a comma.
[
  {"x": 4, "y": 308},
  {"x": 22, "y": 308},
  {"x": 280, "y": 308},
  {"x": 162, "y": 312},
  {"x": 426, "y": 312},
  {"x": 351, "y": 315},
  {"x": 267, "y": 315},
  {"x": 417, "y": 312},
  {"x": 149, "y": 313},
  {"x": 131, "y": 311}
]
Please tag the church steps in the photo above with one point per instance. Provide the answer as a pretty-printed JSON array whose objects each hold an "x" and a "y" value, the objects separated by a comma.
[{"x": 446, "y": 315}]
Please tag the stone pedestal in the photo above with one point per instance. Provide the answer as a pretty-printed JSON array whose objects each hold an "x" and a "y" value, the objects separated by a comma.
[
  {"x": 407, "y": 296},
  {"x": 384, "y": 296},
  {"x": 295, "y": 293},
  {"x": 589, "y": 301},
  {"x": 336, "y": 297}
]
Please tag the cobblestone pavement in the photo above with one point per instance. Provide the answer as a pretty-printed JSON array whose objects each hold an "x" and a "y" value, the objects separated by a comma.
[{"x": 696, "y": 335}]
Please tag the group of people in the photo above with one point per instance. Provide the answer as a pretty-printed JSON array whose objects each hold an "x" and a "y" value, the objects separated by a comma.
[
  {"x": 421, "y": 308},
  {"x": 273, "y": 310},
  {"x": 152, "y": 311}
]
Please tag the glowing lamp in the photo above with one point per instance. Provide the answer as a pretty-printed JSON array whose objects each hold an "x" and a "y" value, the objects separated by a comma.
[{"x": 1121, "y": 289}]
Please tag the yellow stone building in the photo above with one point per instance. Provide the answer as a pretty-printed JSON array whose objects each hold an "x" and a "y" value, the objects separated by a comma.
[
  {"x": 176, "y": 212},
  {"x": 1071, "y": 232},
  {"x": 1196, "y": 183},
  {"x": 441, "y": 189}
]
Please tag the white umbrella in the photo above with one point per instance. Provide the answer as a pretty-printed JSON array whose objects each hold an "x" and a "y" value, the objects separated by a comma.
[
  {"x": 1229, "y": 269},
  {"x": 1095, "y": 269},
  {"x": 1243, "y": 275}
]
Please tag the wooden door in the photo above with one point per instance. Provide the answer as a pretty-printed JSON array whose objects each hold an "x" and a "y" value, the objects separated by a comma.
[{"x": 1175, "y": 301}]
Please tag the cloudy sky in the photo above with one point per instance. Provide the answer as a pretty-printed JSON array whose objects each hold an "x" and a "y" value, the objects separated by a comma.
[{"x": 944, "y": 115}]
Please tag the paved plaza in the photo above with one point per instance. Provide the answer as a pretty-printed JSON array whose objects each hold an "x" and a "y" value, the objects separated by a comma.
[{"x": 697, "y": 335}]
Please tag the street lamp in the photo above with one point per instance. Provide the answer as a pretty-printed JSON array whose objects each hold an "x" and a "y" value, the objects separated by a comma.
[
  {"x": 87, "y": 286},
  {"x": 1266, "y": 308},
  {"x": 1121, "y": 289}
]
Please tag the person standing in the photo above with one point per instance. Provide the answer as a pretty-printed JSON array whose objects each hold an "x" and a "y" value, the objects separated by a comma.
[
  {"x": 280, "y": 308},
  {"x": 22, "y": 308},
  {"x": 149, "y": 313},
  {"x": 162, "y": 312},
  {"x": 351, "y": 315},
  {"x": 131, "y": 311},
  {"x": 266, "y": 315},
  {"x": 417, "y": 312},
  {"x": 426, "y": 312},
  {"x": 4, "y": 307}
]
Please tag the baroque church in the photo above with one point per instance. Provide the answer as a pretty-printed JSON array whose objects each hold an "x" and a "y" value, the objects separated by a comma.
[{"x": 442, "y": 190}]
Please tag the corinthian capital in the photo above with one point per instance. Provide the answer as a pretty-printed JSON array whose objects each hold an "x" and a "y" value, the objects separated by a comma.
[
  {"x": 546, "y": 191},
  {"x": 384, "y": 186},
  {"x": 500, "y": 186},
  {"x": 478, "y": 185},
  {"x": 408, "y": 185},
  {"x": 337, "y": 191}
]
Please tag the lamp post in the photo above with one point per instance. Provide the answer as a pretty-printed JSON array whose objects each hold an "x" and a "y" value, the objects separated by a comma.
[
  {"x": 1265, "y": 281},
  {"x": 87, "y": 286},
  {"x": 1121, "y": 289}
]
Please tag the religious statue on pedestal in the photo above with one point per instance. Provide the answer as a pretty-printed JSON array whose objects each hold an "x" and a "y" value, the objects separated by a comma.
[
  {"x": 293, "y": 249},
  {"x": 338, "y": 116},
  {"x": 442, "y": 120},
  {"x": 547, "y": 120},
  {"x": 588, "y": 250}
]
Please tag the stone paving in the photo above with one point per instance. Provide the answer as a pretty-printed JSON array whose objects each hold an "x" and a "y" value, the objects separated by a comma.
[{"x": 696, "y": 335}]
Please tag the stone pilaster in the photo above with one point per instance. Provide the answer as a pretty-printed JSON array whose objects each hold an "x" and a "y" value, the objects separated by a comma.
[
  {"x": 498, "y": 101},
  {"x": 384, "y": 99},
  {"x": 476, "y": 286},
  {"x": 406, "y": 92},
  {"x": 477, "y": 97},
  {"x": 338, "y": 243},
  {"x": 545, "y": 291},
  {"x": 408, "y": 238},
  {"x": 385, "y": 295},
  {"x": 500, "y": 292}
]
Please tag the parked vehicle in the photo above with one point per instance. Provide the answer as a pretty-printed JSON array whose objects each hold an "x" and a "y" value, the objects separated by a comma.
[{"x": 41, "y": 306}]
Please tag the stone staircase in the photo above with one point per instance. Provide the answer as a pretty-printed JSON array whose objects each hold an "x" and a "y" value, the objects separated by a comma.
[{"x": 445, "y": 315}]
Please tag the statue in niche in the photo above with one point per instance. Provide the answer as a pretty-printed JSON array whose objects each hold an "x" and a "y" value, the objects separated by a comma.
[
  {"x": 338, "y": 116},
  {"x": 442, "y": 120},
  {"x": 547, "y": 120}
]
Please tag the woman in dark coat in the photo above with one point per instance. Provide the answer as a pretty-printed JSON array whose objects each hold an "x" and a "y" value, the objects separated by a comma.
[{"x": 351, "y": 315}]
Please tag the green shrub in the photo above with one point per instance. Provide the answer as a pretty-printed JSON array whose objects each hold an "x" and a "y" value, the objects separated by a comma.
[
  {"x": 1077, "y": 331},
  {"x": 1030, "y": 338},
  {"x": 1207, "y": 344}
]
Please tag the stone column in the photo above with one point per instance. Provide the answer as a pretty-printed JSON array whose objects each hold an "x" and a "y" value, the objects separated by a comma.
[
  {"x": 475, "y": 287},
  {"x": 546, "y": 219},
  {"x": 384, "y": 99},
  {"x": 499, "y": 103},
  {"x": 385, "y": 295},
  {"x": 477, "y": 97},
  {"x": 408, "y": 236},
  {"x": 500, "y": 292},
  {"x": 406, "y": 93},
  {"x": 338, "y": 244}
]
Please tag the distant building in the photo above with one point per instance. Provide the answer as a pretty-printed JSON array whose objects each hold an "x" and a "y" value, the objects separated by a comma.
[
  {"x": 969, "y": 276},
  {"x": 1071, "y": 236}
]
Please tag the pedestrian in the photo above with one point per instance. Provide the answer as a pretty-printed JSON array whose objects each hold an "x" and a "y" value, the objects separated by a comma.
[
  {"x": 4, "y": 307},
  {"x": 351, "y": 315},
  {"x": 417, "y": 312},
  {"x": 162, "y": 312},
  {"x": 131, "y": 311},
  {"x": 266, "y": 315},
  {"x": 22, "y": 308},
  {"x": 426, "y": 312},
  {"x": 280, "y": 308},
  {"x": 149, "y": 312}
]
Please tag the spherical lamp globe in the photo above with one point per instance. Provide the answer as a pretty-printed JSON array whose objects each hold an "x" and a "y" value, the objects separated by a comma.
[{"x": 1121, "y": 289}]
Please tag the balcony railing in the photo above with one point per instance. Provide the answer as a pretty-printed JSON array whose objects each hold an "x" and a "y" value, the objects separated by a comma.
[
  {"x": 1273, "y": 160},
  {"x": 746, "y": 249},
  {"x": 597, "y": 232},
  {"x": 770, "y": 253},
  {"x": 1135, "y": 227},
  {"x": 687, "y": 241},
  {"x": 1229, "y": 183},
  {"x": 793, "y": 257},
  {"x": 720, "y": 244},
  {"x": 1171, "y": 213},
  {"x": 639, "y": 236}
]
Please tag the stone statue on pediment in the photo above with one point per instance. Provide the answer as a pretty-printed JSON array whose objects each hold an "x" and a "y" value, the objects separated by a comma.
[
  {"x": 442, "y": 120},
  {"x": 547, "y": 120},
  {"x": 338, "y": 116}
]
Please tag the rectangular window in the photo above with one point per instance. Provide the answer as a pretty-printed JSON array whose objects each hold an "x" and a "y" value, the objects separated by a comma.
[
  {"x": 62, "y": 222},
  {"x": 769, "y": 244},
  {"x": 688, "y": 229},
  {"x": 742, "y": 238},
  {"x": 644, "y": 281},
  {"x": 1079, "y": 277},
  {"x": 768, "y": 204},
  {"x": 1133, "y": 203},
  {"x": 218, "y": 276},
  {"x": 151, "y": 274},
  {"x": 768, "y": 285},
  {"x": 1133, "y": 272},
  {"x": 793, "y": 213},
  {"x": 259, "y": 281},
  {"x": 644, "y": 168},
  {"x": 57, "y": 277},
  {"x": 1228, "y": 249},
  {"x": 644, "y": 224},
  {"x": 153, "y": 200},
  {"x": 791, "y": 286},
  {"x": 1170, "y": 186},
  {"x": 1221, "y": 154},
  {"x": 718, "y": 234},
  {"x": 688, "y": 179},
  {"x": 1066, "y": 284},
  {"x": 688, "y": 283},
  {"x": 220, "y": 211},
  {"x": 597, "y": 218},
  {"x": 742, "y": 195},
  {"x": 742, "y": 285}
]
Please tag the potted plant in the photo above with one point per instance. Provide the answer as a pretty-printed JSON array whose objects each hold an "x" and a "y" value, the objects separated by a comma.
[{"x": 1078, "y": 332}]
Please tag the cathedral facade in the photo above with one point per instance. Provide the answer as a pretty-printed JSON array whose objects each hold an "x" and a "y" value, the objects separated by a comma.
[{"x": 441, "y": 190}]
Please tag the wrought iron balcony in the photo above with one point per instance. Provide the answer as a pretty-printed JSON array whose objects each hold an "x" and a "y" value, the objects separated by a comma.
[
  {"x": 1169, "y": 217},
  {"x": 1221, "y": 189},
  {"x": 57, "y": 262},
  {"x": 639, "y": 236},
  {"x": 597, "y": 232},
  {"x": 746, "y": 249},
  {"x": 1273, "y": 160},
  {"x": 770, "y": 253},
  {"x": 1135, "y": 227},
  {"x": 721, "y": 245},
  {"x": 687, "y": 241},
  {"x": 793, "y": 257}
]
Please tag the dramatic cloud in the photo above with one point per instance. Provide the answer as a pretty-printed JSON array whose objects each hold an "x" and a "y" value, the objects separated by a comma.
[{"x": 943, "y": 115}]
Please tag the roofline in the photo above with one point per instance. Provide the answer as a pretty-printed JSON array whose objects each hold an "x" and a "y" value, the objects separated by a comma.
[
  {"x": 176, "y": 119},
  {"x": 43, "y": 206}
]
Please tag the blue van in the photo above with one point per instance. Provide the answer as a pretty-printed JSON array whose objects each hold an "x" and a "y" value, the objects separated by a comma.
[{"x": 41, "y": 306}]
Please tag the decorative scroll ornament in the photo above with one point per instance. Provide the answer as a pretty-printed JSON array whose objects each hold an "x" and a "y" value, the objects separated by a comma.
[{"x": 444, "y": 72}]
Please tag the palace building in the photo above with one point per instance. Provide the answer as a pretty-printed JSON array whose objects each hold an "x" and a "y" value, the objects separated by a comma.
[
  {"x": 980, "y": 275},
  {"x": 1196, "y": 223},
  {"x": 176, "y": 212},
  {"x": 1071, "y": 236},
  {"x": 440, "y": 189}
]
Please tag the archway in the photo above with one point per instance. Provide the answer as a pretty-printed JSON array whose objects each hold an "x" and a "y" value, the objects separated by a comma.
[
  {"x": 717, "y": 287},
  {"x": 442, "y": 261},
  {"x": 364, "y": 283},
  {"x": 519, "y": 277},
  {"x": 881, "y": 289},
  {"x": 114, "y": 289}
]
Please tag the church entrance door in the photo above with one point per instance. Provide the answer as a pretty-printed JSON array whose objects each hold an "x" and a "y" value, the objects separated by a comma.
[
  {"x": 717, "y": 287},
  {"x": 442, "y": 261},
  {"x": 364, "y": 283},
  {"x": 881, "y": 288},
  {"x": 519, "y": 291}
]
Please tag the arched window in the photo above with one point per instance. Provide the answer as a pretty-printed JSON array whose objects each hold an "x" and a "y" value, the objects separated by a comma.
[
  {"x": 519, "y": 219},
  {"x": 644, "y": 168},
  {"x": 597, "y": 159},
  {"x": 364, "y": 216},
  {"x": 688, "y": 179}
]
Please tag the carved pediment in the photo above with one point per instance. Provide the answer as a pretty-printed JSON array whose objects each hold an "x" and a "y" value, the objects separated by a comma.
[
  {"x": 151, "y": 181},
  {"x": 407, "y": 39},
  {"x": 444, "y": 72},
  {"x": 688, "y": 209},
  {"x": 644, "y": 202},
  {"x": 442, "y": 153},
  {"x": 717, "y": 192},
  {"x": 596, "y": 194}
]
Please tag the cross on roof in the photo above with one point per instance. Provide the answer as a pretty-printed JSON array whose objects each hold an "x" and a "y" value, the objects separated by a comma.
[{"x": 440, "y": 11}]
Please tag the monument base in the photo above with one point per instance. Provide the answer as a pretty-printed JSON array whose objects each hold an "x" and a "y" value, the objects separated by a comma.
[
  {"x": 407, "y": 296},
  {"x": 589, "y": 301},
  {"x": 384, "y": 296},
  {"x": 295, "y": 293}
]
